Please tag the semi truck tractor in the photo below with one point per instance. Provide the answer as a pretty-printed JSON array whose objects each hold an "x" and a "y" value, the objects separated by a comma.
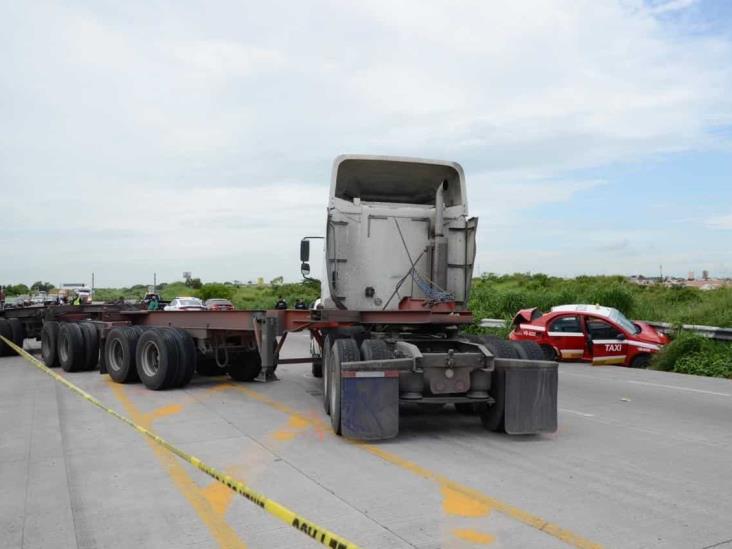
[{"x": 398, "y": 255}]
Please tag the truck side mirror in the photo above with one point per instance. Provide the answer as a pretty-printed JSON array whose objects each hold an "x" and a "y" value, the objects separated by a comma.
[
  {"x": 305, "y": 251},
  {"x": 305, "y": 269}
]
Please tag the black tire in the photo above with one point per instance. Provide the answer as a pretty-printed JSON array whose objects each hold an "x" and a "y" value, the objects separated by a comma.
[
  {"x": 91, "y": 345},
  {"x": 7, "y": 332},
  {"x": 49, "y": 343},
  {"x": 18, "y": 331},
  {"x": 71, "y": 351},
  {"x": 317, "y": 367},
  {"x": 119, "y": 354},
  {"x": 206, "y": 366},
  {"x": 493, "y": 416},
  {"x": 327, "y": 367},
  {"x": 641, "y": 361},
  {"x": 188, "y": 357},
  {"x": 549, "y": 353},
  {"x": 375, "y": 349},
  {"x": 157, "y": 358},
  {"x": 245, "y": 366},
  {"x": 528, "y": 350},
  {"x": 344, "y": 350}
]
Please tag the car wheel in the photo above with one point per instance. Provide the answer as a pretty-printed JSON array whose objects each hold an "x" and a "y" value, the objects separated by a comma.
[{"x": 641, "y": 361}]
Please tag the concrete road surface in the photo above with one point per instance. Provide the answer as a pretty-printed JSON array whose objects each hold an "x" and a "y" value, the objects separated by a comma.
[{"x": 641, "y": 459}]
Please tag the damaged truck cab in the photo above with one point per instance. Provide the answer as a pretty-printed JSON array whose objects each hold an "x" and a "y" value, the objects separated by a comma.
[{"x": 399, "y": 252}]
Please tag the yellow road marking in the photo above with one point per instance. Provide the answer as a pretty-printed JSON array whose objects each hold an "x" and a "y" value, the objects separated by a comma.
[
  {"x": 473, "y": 536},
  {"x": 209, "y": 511},
  {"x": 300, "y": 523},
  {"x": 458, "y": 504},
  {"x": 524, "y": 517}
]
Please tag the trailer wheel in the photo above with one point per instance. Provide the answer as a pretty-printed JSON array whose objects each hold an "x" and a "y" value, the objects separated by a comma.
[
  {"x": 188, "y": 357},
  {"x": 49, "y": 343},
  {"x": 18, "y": 331},
  {"x": 245, "y": 366},
  {"x": 157, "y": 358},
  {"x": 119, "y": 354},
  {"x": 7, "y": 332},
  {"x": 344, "y": 350},
  {"x": 71, "y": 349},
  {"x": 91, "y": 345},
  {"x": 493, "y": 416},
  {"x": 528, "y": 350}
]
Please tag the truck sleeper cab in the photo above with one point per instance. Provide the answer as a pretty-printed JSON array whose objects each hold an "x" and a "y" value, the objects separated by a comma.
[{"x": 399, "y": 252}]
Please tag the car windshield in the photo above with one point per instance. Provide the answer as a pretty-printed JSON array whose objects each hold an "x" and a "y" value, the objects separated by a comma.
[{"x": 620, "y": 319}]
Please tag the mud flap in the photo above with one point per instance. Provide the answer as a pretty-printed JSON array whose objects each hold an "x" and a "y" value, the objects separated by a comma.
[
  {"x": 369, "y": 407},
  {"x": 529, "y": 390}
]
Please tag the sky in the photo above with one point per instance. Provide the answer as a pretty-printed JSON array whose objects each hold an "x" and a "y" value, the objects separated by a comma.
[{"x": 141, "y": 137}]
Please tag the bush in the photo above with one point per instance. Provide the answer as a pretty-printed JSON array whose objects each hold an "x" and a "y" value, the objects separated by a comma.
[
  {"x": 706, "y": 363},
  {"x": 683, "y": 345},
  {"x": 215, "y": 290}
]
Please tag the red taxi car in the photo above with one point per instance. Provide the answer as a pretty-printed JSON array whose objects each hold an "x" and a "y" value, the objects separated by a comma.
[{"x": 591, "y": 333}]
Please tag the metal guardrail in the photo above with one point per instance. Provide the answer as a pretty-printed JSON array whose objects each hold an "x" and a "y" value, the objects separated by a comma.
[{"x": 712, "y": 332}]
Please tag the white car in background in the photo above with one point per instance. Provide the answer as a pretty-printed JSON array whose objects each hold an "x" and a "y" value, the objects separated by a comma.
[{"x": 185, "y": 304}]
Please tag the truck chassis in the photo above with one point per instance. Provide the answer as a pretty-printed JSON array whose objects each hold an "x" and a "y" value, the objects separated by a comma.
[{"x": 372, "y": 361}]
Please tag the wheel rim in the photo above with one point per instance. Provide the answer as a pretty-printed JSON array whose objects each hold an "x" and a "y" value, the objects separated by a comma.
[
  {"x": 150, "y": 358},
  {"x": 116, "y": 355}
]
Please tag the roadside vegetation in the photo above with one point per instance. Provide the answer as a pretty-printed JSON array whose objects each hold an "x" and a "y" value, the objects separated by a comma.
[{"x": 501, "y": 296}]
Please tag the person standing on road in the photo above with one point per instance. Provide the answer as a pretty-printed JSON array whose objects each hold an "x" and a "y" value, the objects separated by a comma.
[
  {"x": 77, "y": 300},
  {"x": 2, "y": 298},
  {"x": 154, "y": 305},
  {"x": 300, "y": 304},
  {"x": 281, "y": 303}
]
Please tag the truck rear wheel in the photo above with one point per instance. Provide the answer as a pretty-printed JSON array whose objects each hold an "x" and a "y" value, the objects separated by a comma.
[
  {"x": 91, "y": 345},
  {"x": 493, "y": 416},
  {"x": 245, "y": 366},
  {"x": 375, "y": 349},
  {"x": 7, "y": 332},
  {"x": 206, "y": 366},
  {"x": 528, "y": 350},
  {"x": 344, "y": 350},
  {"x": 119, "y": 354},
  {"x": 71, "y": 352},
  {"x": 17, "y": 330},
  {"x": 49, "y": 343}
]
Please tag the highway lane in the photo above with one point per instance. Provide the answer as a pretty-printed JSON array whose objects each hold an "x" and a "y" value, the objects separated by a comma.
[{"x": 641, "y": 459}]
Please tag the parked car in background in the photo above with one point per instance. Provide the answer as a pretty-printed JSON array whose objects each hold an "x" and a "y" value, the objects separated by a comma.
[
  {"x": 185, "y": 304},
  {"x": 218, "y": 304},
  {"x": 589, "y": 333}
]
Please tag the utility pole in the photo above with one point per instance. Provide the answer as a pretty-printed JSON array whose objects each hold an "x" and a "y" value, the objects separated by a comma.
[
  {"x": 660, "y": 268},
  {"x": 92, "y": 288},
  {"x": 155, "y": 283}
]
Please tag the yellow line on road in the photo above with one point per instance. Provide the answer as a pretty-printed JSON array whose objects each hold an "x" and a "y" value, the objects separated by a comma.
[
  {"x": 214, "y": 520},
  {"x": 307, "y": 527},
  {"x": 524, "y": 517}
]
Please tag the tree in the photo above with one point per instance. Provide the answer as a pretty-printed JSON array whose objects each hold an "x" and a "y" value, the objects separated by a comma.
[
  {"x": 41, "y": 286},
  {"x": 18, "y": 289},
  {"x": 222, "y": 291},
  {"x": 194, "y": 283}
]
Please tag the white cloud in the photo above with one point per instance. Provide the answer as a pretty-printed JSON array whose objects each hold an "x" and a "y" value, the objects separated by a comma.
[
  {"x": 199, "y": 126},
  {"x": 720, "y": 222}
]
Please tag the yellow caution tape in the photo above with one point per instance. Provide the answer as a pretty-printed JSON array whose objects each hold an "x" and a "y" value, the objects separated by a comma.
[{"x": 306, "y": 526}]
